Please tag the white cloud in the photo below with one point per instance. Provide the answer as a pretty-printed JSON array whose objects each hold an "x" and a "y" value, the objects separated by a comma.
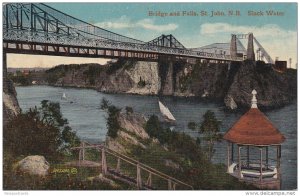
[
  {"x": 149, "y": 24},
  {"x": 126, "y": 23},
  {"x": 277, "y": 41}
]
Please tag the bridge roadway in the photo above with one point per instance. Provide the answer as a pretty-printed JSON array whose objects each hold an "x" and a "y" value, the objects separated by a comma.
[
  {"x": 47, "y": 43},
  {"x": 36, "y": 28}
]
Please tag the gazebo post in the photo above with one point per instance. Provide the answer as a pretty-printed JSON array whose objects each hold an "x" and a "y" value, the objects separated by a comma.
[
  {"x": 248, "y": 156},
  {"x": 232, "y": 153},
  {"x": 278, "y": 161},
  {"x": 260, "y": 178},
  {"x": 240, "y": 163},
  {"x": 228, "y": 156},
  {"x": 267, "y": 157}
]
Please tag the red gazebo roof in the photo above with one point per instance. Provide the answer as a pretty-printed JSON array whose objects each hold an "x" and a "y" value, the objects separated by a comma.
[{"x": 254, "y": 128}]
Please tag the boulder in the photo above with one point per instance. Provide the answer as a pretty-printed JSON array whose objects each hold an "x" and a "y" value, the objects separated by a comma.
[
  {"x": 230, "y": 103},
  {"x": 34, "y": 165}
]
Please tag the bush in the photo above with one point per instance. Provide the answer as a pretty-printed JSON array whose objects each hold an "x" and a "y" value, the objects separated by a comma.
[
  {"x": 129, "y": 110},
  {"x": 113, "y": 124},
  {"x": 41, "y": 131},
  {"x": 192, "y": 125}
]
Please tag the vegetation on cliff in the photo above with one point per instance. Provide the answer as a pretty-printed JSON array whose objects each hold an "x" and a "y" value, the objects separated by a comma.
[
  {"x": 44, "y": 131},
  {"x": 171, "y": 153},
  {"x": 40, "y": 131},
  {"x": 113, "y": 112},
  {"x": 230, "y": 83}
]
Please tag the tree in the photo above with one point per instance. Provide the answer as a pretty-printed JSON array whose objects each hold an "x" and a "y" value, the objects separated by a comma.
[
  {"x": 113, "y": 124},
  {"x": 192, "y": 125},
  {"x": 129, "y": 110},
  {"x": 41, "y": 131},
  {"x": 113, "y": 112},
  {"x": 153, "y": 126},
  {"x": 210, "y": 127}
]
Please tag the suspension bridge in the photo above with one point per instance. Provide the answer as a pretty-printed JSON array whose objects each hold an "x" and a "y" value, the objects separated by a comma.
[{"x": 36, "y": 28}]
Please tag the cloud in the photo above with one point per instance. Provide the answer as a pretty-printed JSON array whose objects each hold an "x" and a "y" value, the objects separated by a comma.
[
  {"x": 277, "y": 41},
  {"x": 149, "y": 24},
  {"x": 125, "y": 22}
]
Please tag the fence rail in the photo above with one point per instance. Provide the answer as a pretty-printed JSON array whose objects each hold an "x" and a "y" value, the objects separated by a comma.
[{"x": 172, "y": 182}]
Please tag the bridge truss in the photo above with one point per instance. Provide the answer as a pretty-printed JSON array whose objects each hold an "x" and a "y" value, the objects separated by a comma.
[{"x": 36, "y": 28}]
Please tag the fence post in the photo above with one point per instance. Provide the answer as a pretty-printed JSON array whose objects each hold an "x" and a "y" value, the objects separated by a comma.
[
  {"x": 169, "y": 184},
  {"x": 138, "y": 177},
  {"x": 83, "y": 150},
  {"x": 80, "y": 154},
  {"x": 174, "y": 186},
  {"x": 118, "y": 165},
  {"x": 149, "y": 181},
  {"x": 103, "y": 162}
]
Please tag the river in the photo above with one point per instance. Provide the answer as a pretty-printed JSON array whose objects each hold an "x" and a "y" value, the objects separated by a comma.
[{"x": 82, "y": 109}]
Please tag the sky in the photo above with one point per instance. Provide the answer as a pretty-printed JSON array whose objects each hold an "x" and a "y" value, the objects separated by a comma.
[{"x": 277, "y": 34}]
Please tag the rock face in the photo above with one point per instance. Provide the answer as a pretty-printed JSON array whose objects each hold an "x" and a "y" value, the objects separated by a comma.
[
  {"x": 34, "y": 165},
  {"x": 203, "y": 80},
  {"x": 274, "y": 89},
  {"x": 230, "y": 103},
  {"x": 10, "y": 103},
  {"x": 144, "y": 73},
  {"x": 231, "y": 83},
  {"x": 131, "y": 133},
  {"x": 134, "y": 123},
  {"x": 166, "y": 73}
]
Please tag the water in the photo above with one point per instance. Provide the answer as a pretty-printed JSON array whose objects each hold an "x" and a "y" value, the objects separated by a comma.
[{"x": 82, "y": 109}]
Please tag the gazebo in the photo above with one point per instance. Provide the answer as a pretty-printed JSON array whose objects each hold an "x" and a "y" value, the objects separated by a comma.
[{"x": 251, "y": 141}]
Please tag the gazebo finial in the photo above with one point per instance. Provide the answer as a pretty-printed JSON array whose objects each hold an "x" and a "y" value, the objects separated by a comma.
[{"x": 254, "y": 100}]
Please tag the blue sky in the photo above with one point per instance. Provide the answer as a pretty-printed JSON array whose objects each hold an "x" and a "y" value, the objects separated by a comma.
[
  {"x": 277, "y": 34},
  {"x": 131, "y": 19}
]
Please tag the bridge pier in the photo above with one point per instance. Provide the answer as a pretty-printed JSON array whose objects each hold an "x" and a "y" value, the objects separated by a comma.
[
  {"x": 250, "y": 48},
  {"x": 233, "y": 47},
  {"x": 166, "y": 73}
]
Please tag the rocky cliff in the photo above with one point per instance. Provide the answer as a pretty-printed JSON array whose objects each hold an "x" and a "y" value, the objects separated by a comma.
[
  {"x": 230, "y": 83},
  {"x": 10, "y": 103},
  {"x": 131, "y": 133},
  {"x": 274, "y": 89}
]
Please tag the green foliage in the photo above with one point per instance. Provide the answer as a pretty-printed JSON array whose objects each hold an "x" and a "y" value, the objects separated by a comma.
[
  {"x": 153, "y": 126},
  {"x": 129, "y": 110},
  {"x": 41, "y": 131},
  {"x": 92, "y": 73},
  {"x": 57, "y": 72},
  {"x": 141, "y": 83},
  {"x": 21, "y": 79},
  {"x": 121, "y": 62},
  {"x": 192, "y": 125},
  {"x": 113, "y": 124},
  {"x": 176, "y": 141},
  {"x": 196, "y": 169},
  {"x": 104, "y": 104},
  {"x": 113, "y": 112},
  {"x": 210, "y": 126}
]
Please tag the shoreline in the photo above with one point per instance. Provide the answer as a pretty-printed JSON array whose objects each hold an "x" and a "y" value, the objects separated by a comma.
[{"x": 220, "y": 102}]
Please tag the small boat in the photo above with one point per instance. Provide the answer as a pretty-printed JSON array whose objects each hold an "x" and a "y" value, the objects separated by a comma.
[
  {"x": 168, "y": 116},
  {"x": 64, "y": 96}
]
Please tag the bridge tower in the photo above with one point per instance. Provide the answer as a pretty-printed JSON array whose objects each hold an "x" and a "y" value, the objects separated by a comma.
[
  {"x": 250, "y": 48},
  {"x": 233, "y": 47}
]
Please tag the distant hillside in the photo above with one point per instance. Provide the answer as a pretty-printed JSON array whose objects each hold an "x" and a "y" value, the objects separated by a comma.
[{"x": 14, "y": 70}]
